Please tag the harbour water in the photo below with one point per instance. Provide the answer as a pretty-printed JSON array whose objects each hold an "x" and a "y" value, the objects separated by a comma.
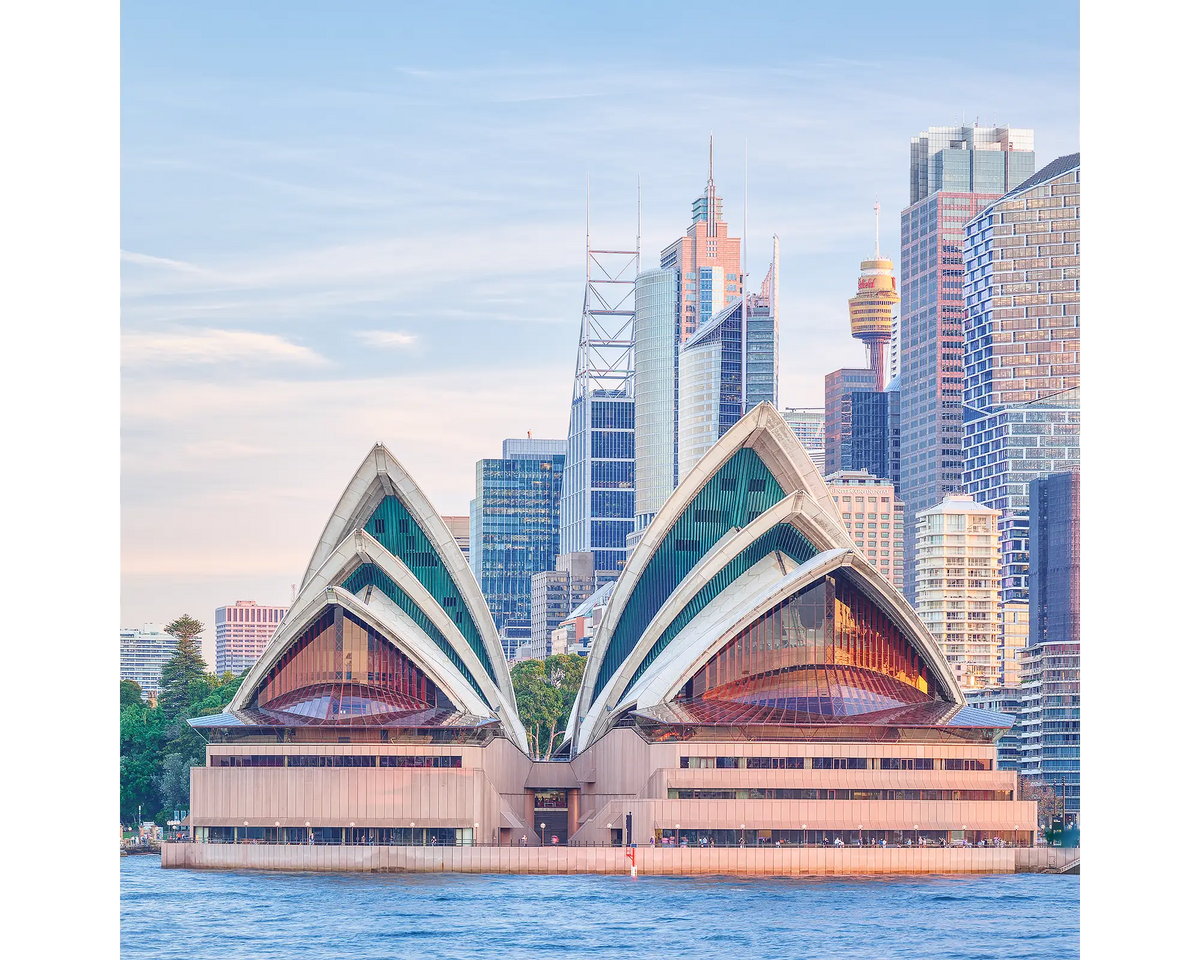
[{"x": 196, "y": 915}]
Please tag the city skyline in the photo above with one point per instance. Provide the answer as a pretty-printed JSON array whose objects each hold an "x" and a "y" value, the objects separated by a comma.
[{"x": 241, "y": 343}]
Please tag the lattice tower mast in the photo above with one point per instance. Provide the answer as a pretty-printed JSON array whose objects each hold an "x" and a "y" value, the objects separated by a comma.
[{"x": 604, "y": 361}]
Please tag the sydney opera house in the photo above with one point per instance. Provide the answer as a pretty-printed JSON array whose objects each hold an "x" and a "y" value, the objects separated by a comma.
[{"x": 754, "y": 680}]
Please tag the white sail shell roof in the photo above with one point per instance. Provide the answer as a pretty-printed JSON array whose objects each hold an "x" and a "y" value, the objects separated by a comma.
[
  {"x": 806, "y": 506},
  {"x": 344, "y": 546}
]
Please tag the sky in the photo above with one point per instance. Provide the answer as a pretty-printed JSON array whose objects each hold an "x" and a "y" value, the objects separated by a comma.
[{"x": 361, "y": 222}]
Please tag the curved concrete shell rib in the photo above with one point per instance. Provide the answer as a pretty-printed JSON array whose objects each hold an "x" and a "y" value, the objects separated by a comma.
[
  {"x": 473, "y": 676},
  {"x": 775, "y": 553}
]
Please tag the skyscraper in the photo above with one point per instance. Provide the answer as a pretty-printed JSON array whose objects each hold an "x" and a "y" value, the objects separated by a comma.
[
  {"x": 727, "y": 367},
  {"x": 143, "y": 653},
  {"x": 840, "y": 388},
  {"x": 958, "y": 587},
  {"x": 808, "y": 424},
  {"x": 968, "y": 160},
  {"x": 550, "y": 602},
  {"x": 761, "y": 360},
  {"x": 656, "y": 389},
  {"x": 1050, "y": 667},
  {"x": 707, "y": 259},
  {"x": 698, "y": 293},
  {"x": 874, "y": 517},
  {"x": 954, "y": 173},
  {"x": 1054, "y": 558},
  {"x": 1021, "y": 351},
  {"x": 1049, "y": 721},
  {"x": 555, "y": 593},
  {"x": 243, "y": 630},
  {"x": 710, "y": 385},
  {"x": 598, "y": 478},
  {"x": 515, "y": 524}
]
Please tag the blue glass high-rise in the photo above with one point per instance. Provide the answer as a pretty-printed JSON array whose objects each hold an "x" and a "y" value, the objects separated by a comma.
[
  {"x": 515, "y": 524},
  {"x": 1021, "y": 351},
  {"x": 954, "y": 172}
]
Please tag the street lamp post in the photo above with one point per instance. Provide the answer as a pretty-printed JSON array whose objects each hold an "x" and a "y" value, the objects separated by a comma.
[
  {"x": 676, "y": 834},
  {"x": 474, "y": 833},
  {"x": 743, "y": 834},
  {"x": 412, "y": 833},
  {"x": 543, "y": 826},
  {"x": 276, "y": 831}
]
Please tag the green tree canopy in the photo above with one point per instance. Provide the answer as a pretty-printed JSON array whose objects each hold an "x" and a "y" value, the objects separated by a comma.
[
  {"x": 157, "y": 750},
  {"x": 184, "y": 628},
  {"x": 186, "y": 664},
  {"x": 131, "y": 692},
  {"x": 142, "y": 729},
  {"x": 174, "y": 782},
  {"x": 545, "y": 692}
]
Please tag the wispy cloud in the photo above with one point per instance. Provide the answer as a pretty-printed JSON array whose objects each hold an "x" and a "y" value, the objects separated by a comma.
[
  {"x": 213, "y": 346},
  {"x": 146, "y": 260},
  {"x": 386, "y": 338}
]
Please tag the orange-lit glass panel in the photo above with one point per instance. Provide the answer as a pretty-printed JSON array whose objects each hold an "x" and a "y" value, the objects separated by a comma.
[
  {"x": 340, "y": 668},
  {"x": 782, "y": 658}
]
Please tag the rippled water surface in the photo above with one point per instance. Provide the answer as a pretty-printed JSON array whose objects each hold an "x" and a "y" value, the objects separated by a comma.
[{"x": 200, "y": 914}]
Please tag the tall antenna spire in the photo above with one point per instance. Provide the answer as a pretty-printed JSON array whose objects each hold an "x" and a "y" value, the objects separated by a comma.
[
  {"x": 876, "y": 228},
  {"x": 710, "y": 156},
  {"x": 745, "y": 263},
  {"x": 639, "y": 223}
]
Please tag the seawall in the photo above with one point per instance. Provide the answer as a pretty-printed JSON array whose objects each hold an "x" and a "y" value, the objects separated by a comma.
[{"x": 656, "y": 861}]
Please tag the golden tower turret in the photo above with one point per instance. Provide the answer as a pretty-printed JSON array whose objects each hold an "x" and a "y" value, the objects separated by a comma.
[{"x": 871, "y": 308}]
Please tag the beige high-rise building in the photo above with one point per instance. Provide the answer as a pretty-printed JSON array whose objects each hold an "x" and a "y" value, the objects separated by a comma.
[
  {"x": 958, "y": 587},
  {"x": 708, "y": 259},
  {"x": 460, "y": 529},
  {"x": 243, "y": 630},
  {"x": 871, "y": 513}
]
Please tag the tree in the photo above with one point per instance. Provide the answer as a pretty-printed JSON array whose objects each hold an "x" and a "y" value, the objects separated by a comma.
[
  {"x": 186, "y": 664},
  {"x": 545, "y": 691},
  {"x": 157, "y": 750},
  {"x": 1049, "y": 802},
  {"x": 131, "y": 692},
  {"x": 174, "y": 783},
  {"x": 142, "y": 730}
]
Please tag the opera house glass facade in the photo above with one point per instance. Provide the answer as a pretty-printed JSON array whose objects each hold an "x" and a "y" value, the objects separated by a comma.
[{"x": 754, "y": 681}]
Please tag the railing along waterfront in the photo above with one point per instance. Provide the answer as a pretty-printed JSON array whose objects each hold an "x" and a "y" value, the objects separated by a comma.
[{"x": 851, "y": 845}]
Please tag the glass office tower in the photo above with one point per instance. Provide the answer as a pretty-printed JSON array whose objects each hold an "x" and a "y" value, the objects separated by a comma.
[
  {"x": 1050, "y": 668},
  {"x": 699, "y": 281},
  {"x": 954, "y": 173},
  {"x": 598, "y": 498},
  {"x": 1054, "y": 558},
  {"x": 656, "y": 389},
  {"x": 515, "y": 523},
  {"x": 710, "y": 385},
  {"x": 1021, "y": 351},
  {"x": 840, "y": 387}
]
